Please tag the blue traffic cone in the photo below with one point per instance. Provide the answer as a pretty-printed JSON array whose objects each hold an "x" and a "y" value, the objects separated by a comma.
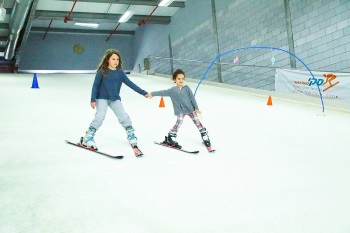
[{"x": 35, "y": 82}]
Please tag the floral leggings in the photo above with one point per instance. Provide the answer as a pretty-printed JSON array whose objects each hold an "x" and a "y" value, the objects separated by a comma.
[{"x": 180, "y": 119}]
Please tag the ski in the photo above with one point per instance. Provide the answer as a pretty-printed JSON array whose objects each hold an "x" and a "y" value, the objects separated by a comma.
[
  {"x": 176, "y": 148},
  {"x": 210, "y": 150},
  {"x": 96, "y": 151},
  {"x": 137, "y": 151}
]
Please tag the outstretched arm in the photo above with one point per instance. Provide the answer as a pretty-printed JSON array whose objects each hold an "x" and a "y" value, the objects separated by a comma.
[
  {"x": 161, "y": 93},
  {"x": 133, "y": 86}
]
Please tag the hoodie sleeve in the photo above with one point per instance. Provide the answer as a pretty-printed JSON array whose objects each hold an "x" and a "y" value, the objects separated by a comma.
[
  {"x": 161, "y": 93},
  {"x": 192, "y": 98},
  {"x": 133, "y": 86},
  {"x": 96, "y": 85}
]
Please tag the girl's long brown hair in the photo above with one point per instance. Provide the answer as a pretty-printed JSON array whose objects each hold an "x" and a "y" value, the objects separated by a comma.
[{"x": 104, "y": 62}]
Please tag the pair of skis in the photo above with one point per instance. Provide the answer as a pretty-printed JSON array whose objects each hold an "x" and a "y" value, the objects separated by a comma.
[{"x": 136, "y": 150}]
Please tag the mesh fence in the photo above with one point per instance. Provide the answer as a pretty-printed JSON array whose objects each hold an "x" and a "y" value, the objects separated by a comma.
[{"x": 233, "y": 70}]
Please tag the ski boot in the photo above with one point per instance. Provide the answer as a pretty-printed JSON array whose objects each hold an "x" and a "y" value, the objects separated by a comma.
[
  {"x": 205, "y": 137},
  {"x": 88, "y": 140},
  {"x": 131, "y": 136},
  {"x": 171, "y": 140}
]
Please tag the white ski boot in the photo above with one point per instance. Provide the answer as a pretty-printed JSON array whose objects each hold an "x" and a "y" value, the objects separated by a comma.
[
  {"x": 131, "y": 136},
  {"x": 88, "y": 140}
]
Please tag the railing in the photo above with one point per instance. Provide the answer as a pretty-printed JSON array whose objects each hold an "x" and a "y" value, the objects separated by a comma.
[{"x": 244, "y": 75}]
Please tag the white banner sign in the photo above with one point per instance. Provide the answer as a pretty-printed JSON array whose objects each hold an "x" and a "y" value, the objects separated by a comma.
[{"x": 331, "y": 85}]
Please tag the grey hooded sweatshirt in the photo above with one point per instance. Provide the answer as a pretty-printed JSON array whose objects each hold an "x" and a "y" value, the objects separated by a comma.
[{"x": 182, "y": 98}]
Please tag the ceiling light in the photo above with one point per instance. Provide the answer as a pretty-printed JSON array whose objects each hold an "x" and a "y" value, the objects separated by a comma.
[
  {"x": 165, "y": 2},
  {"x": 2, "y": 14},
  {"x": 126, "y": 16},
  {"x": 90, "y": 25}
]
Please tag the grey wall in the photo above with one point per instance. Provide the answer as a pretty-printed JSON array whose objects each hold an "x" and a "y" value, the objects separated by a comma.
[
  {"x": 55, "y": 52},
  {"x": 320, "y": 32},
  {"x": 182, "y": 24},
  {"x": 148, "y": 39}
]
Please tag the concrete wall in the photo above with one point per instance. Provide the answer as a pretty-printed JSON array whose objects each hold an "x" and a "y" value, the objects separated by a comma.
[
  {"x": 320, "y": 36},
  {"x": 55, "y": 52}
]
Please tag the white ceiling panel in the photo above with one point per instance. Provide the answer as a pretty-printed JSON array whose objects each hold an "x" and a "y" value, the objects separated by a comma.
[{"x": 117, "y": 8}]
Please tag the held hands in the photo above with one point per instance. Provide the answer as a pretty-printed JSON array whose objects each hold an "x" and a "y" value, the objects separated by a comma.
[
  {"x": 198, "y": 111},
  {"x": 148, "y": 95}
]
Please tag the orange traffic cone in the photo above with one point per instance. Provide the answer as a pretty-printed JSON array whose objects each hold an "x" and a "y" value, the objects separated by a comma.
[
  {"x": 161, "y": 103},
  {"x": 269, "y": 101}
]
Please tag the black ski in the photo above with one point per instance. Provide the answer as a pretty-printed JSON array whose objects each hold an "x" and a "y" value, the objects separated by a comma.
[
  {"x": 176, "y": 148},
  {"x": 96, "y": 151}
]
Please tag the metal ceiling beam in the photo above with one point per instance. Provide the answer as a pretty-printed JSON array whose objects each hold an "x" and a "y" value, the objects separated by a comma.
[
  {"x": 26, "y": 31},
  {"x": 97, "y": 17},
  {"x": 17, "y": 21},
  {"x": 80, "y": 31},
  {"x": 132, "y": 2},
  {"x": 5, "y": 31}
]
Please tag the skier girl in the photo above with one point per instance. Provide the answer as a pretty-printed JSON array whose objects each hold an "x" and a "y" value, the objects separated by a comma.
[
  {"x": 184, "y": 103},
  {"x": 105, "y": 93}
]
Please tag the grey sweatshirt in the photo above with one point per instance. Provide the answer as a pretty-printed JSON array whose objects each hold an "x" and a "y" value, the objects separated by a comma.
[{"x": 183, "y": 99}]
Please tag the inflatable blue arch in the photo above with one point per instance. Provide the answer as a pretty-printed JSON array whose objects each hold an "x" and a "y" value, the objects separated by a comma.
[{"x": 260, "y": 47}]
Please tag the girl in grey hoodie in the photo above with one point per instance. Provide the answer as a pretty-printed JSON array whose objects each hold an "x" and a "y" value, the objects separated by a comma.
[{"x": 184, "y": 103}]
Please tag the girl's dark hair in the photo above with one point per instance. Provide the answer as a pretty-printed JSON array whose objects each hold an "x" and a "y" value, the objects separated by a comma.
[
  {"x": 177, "y": 72},
  {"x": 104, "y": 62}
]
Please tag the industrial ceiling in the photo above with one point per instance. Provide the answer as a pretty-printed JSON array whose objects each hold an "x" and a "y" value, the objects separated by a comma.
[{"x": 25, "y": 16}]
